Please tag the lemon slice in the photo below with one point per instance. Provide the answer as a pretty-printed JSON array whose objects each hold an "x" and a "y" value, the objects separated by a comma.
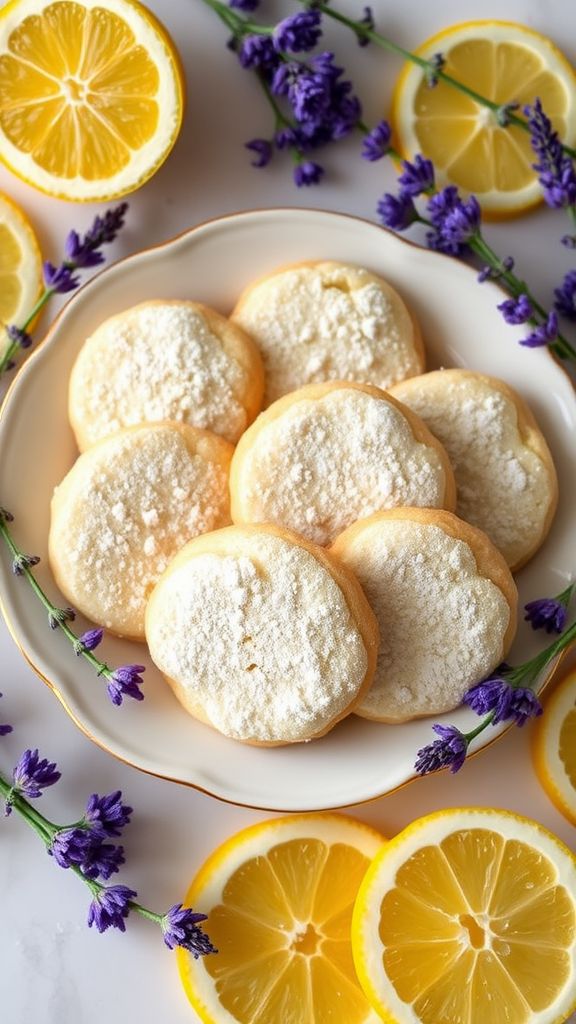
[
  {"x": 279, "y": 899},
  {"x": 90, "y": 95},
  {"x": 20, "y": 267},
  {"x": 507, "y": 63},
  {"x": 469, "y": 917},
  {"x": 555, "y": 746}
]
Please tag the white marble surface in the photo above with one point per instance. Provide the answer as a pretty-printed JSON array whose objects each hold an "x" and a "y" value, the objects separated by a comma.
[{"x": 52, "y": 969}]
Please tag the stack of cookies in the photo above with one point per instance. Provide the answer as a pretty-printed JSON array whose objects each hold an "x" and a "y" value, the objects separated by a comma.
[{"x": 379, "y": 511}]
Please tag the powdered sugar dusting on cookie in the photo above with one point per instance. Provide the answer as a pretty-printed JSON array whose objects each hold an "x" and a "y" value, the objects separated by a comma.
[
  {"x": 263, "y": 642},
  {"x": 503, "y": 487},
  {"x": 328, "y": 322},
  {"x": 325, "y": 463},
  {"x": 157, "y": 362},
  {"x": 123, "y": 512},
  {"x": 442, "y": 625}
]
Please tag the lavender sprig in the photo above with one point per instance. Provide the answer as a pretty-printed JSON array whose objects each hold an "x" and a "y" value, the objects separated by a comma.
[
  {"x": 124, "y": 681},
  {"x": 81, "y": 252},
  {"x": 456, "y": 228},
  {"x": 5, "y": 729},
  {"x": 80, "y": 848},
  {"x": 507, "y": 695}
]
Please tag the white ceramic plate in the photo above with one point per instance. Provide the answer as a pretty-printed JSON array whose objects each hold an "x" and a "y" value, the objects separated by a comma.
[{"x": 358, "y": 760}]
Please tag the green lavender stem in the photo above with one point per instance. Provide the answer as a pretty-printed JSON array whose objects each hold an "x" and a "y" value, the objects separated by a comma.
[
  {"x": 527, "y": 674},
  {"x": 13, "y": 348},
  {"x": 388, "y": 44},
  {"x": 101, "y": 668},
  {"x": 46, "y": 831}
]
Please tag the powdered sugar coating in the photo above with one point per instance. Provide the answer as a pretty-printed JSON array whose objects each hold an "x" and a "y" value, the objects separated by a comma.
[
  {"x": 442, "y": 624},
  {"x": 124, "y": 510},
  {"x": 264, "y": 642},
  {"x": 503, "y": 486},
  {"x": 324, "y": 463},
  {"x": 328, "y": 321},
  {"x": 157, "y": 361}
]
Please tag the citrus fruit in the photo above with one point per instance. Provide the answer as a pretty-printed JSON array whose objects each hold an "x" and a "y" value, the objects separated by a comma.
[
  {"x": 555, "y": 746},
  {"x": 20, "y": 267},
  {"x": 279, "y": 899},
  {"x": 90, "y": 95},
  {"x": 468, "y": 917},
  {"x": 507, "y": 63}
]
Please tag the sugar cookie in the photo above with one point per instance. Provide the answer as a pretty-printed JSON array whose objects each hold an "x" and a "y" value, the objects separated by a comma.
[
  {"x": 125, "y": 508},
  {"x": 505, "y": 478},
  {"x": 165, "y": 360},
  {"x": 329, "y": 321},
  {"x": 262, "y": 635},
  {"x": 445, "y": 603},
  {"x": 329, "y": 454}
]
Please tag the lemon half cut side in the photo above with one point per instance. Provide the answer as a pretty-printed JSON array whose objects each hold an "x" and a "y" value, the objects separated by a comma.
[
  {"x": 279, "y": 898},
  {"x": 91, "y": 95},
  {"x": 468, "y": 916},
  {"x": 507, "y": 63}
]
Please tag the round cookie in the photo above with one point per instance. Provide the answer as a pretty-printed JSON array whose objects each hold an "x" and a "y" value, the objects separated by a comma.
[
  {"x": 323, "y": 321},
  {"x": 329, "y": 454},
  {"x": 445, "y": 602},
  {"x": 505, "y": 478},
  {"x": 124, "y": 510},
  {"x": 262, "y": 635},
  {"x": 165, "y": 360}
]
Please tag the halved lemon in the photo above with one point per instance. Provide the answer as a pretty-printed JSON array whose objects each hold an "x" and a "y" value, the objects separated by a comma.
[
  {"x": 279, "y": 899},
  {"x": 468, "y": 916},
  {"x": 555, "y": 746},
  {"x": 91, "y": 95},
  {"x": 20, "y": 267},
  {"x": 507, "y": 63}
]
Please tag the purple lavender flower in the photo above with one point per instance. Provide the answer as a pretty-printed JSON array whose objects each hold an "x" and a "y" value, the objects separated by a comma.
[
  {"x": 569, "y": 241},
  {"x": 5, "y": 729},
  {"x": 503, "y": 113},
  {"x": 124, "y": 682},
  {"x": 544, "y": 334},
  {"x": 71, "y": 846},
  {"x": 565, "y": 296},
  {"x": 263, "y": 150},
  {"x": 491, "y": 694},
  {"x": 449, "y": 751},
  {"x": 416, "y": 177},
  {"x": 494, "y": 273},
  {"x": 107, "y": 815},
  {"x": 367, "y": 21},
  {"x": 556, "y": 172},
  {"x": 89, "y": 640},
  {"x": 244, "y": 5},
  {"x": 110, "y": 907},
  {"x": 308, "y": 173},
  {"x": 439, "y": 208},
  {"x": 298, "y": 32},
  {"x": 547, "y": 613},
  {"x": 102, "y": 860},
  {"x": 517, "y": 311},
  {"x": 257, "y": 52},
  {"x": 376, "y": 143},
  {"x": 32, "y": 774},
  {"x": 17, "y": 335},
  {"x": 462, "y": 222},
  {"x": 180, "y": 928},
  {"x": 56, "y": 616},
  {"x": 524, "y": 705},
  {"x": 288, "y": 138},
  {"x": 397, "y": 212},
  {"x": 21, "y": 562},
  {"x": 60, "y": 279},
  {"x": 85, "y": 251}
]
